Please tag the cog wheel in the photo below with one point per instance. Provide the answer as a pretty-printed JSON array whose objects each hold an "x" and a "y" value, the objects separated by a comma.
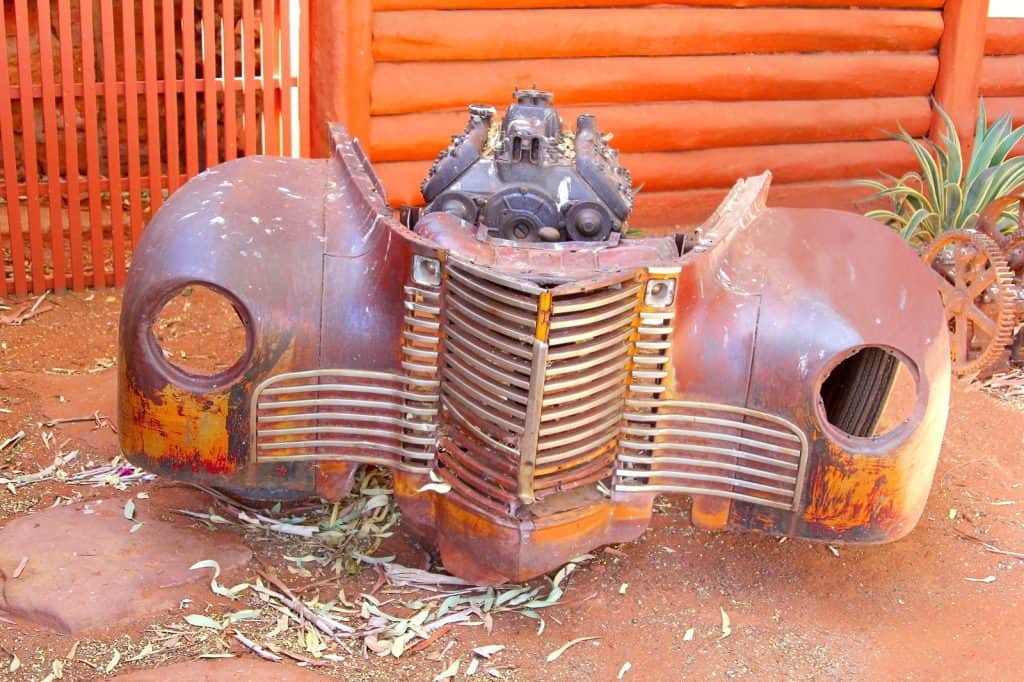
[
  {"x": 1013, "y": 249},
  {"x": 979, "y": 296}
]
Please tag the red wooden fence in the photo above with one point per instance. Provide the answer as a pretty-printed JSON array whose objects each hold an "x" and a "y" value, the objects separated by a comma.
[{"x": 108, "y": 106}]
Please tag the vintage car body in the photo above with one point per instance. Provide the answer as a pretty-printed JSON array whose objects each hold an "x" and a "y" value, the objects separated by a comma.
[{"x": 556, "y": 387}]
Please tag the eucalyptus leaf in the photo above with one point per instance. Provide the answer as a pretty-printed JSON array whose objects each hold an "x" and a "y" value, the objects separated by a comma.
[{"x": 200, "y": 621}]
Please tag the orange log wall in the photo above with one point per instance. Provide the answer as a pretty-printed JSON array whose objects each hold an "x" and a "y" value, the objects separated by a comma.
[
  {"x": 696, "y": 93},
  {"x": 1002, "y": 70}
]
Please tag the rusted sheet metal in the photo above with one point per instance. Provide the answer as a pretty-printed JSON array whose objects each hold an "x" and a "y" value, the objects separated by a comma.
[{"x": 557, "y": 387}]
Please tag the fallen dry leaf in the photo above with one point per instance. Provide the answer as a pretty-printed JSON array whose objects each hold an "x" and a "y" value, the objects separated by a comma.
[
  {"x": 689, "y": 635},
  {"x": 448, "y": 673},
  {"x": 20, "y": 567},
  {"x": 114, "y": 660},
  {"x": 726, "y": 624},
  {"x": 565, "y": 647},
  {"x": 986, "y": 579},
  {"x": 488, "y": 650},
  {"x": 624, "y": 669}
]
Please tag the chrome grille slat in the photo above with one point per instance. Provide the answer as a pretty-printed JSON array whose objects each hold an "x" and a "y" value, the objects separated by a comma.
[
  {"x": 591, "y": 346},
  {"x": 562, "y": 455},
  {"x": 681, "y": 489},
  {"x": 338, "y": 430},
  {"x": 488, "y": 322},
  {"x": 564, "y": 397},
  {"x": 590, "y": 301},
  {"x": 710, "y": 449},
  {"x": 569, "y": 410},
  {"x": 412, "y": 292},
  {"x": 587, "y": 361},
  {"x": 590, "y": 331},
  {"x": 326, "y": 417},
  {"x": 458, "y": 355},
  {"x": 518, "y": 285},
  {"x": 480, "y": 412},
  {"x": 471, "y": 357},
  {"x": 476, "y": 430},
  {"x": 354, "y": 402},
  {"x": 727, "y": 480},
  {"x": 467, "y": 388},
  {"x": 422, "y": 308},
  {"x": 495, "y": 307},
  {"x": 500, "y": 294},
  {"x": 579, "y": 434},
  {"x": 561, "y": 426},
  {"x": 505, "y": 344},
  {"x": 596, "y": 372},
  {"x": 485, "y": 383},
  {"x": 420, "y": 322},
  {"x": 351, "y": 388},
  {"x": 573, "y": 320},
  {"x": 727, "y": 423},
  {"x": 703, "y": 463}
]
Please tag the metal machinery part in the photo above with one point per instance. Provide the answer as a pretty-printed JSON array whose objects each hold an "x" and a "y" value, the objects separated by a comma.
[
  {"x": 992, "y": 221},
  {"x": 980, "y": 299},
  {"x": 527, "y": 179},
  {"x": 557, "y": 387}
]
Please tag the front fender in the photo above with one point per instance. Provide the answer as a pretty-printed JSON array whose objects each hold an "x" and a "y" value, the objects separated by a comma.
[{"x": 787, "y": 300}]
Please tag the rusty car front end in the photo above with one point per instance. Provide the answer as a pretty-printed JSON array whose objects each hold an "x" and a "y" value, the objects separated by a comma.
[{"x": 549, "y": 377}]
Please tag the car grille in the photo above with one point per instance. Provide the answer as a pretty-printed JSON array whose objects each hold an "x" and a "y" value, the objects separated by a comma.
[
  {"x": 357, "y": 416},
  {"x": 533, "y": 383},
  {"x": 701, "y": 448}
]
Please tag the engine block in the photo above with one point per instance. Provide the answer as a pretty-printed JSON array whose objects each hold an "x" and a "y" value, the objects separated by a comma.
[{"x": 527, "y": 179}]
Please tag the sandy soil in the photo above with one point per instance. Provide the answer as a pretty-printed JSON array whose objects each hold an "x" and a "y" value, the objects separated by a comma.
[{"x": 798, "y": 611}]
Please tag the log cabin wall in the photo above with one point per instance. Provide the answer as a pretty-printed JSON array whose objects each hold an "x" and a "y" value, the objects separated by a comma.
[
  {"x": 696, "y": 93},
  {"x": 1002, "y": 70}
]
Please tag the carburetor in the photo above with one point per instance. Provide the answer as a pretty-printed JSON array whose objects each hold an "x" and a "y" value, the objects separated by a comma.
[{"x": 526, "y": 178}]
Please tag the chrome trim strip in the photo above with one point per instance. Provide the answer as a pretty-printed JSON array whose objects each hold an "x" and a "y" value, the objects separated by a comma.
[{"x": 531, "y": 430}]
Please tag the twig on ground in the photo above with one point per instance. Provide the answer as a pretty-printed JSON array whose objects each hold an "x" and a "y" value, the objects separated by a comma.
[{"x": 988, "y": 546}]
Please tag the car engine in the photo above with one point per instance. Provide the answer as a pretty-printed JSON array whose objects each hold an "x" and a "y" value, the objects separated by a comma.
[{"x": 526, "y": 178}]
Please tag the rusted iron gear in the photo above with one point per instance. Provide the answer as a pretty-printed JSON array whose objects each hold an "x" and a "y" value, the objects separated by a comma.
[
  {"x": 978, "y": 267},
  {"x": 1013, "y": 249}
]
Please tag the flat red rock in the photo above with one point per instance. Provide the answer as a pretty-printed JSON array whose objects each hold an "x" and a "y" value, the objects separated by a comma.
[
  {"x": 85, "y": 569},
  {"x": 218, "y": 670}
]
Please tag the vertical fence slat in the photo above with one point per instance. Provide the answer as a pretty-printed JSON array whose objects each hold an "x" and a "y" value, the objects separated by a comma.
[
  {"x": 154, "y": 164},
  {"x": 131, "y": 122},
  {"x": 188, "y": 51},
  {"x": 7, "y": 142},
  {"x": 249, "y": 76},
  {"x": 91, "y": 105},
  {"x": 268, "y": 53},
  {"x": 113, "y": 130},
  {"x": 28, "y": 140},
  {"x": 209, "y": 44},
  {"x": 305, "y": 124},
  {"x": 285, "y": 98},
  {"x": 230, "y": 123},
  {"x": 52, "y": 134},
  {"x": 171, "y": 96},
  {"x": 71, "y": 168}
]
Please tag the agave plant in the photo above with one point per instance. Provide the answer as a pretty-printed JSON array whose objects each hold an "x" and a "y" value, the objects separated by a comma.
[{"x": 944, "y": 194}]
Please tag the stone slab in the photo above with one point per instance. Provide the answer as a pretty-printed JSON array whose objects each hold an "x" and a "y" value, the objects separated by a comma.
[
  {"x": 86, "y": 570},
  {"x": 249, "y": 669}
]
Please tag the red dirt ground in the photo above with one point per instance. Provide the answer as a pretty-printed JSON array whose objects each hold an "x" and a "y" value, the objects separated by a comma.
[{"x": 904, "y": 610}]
